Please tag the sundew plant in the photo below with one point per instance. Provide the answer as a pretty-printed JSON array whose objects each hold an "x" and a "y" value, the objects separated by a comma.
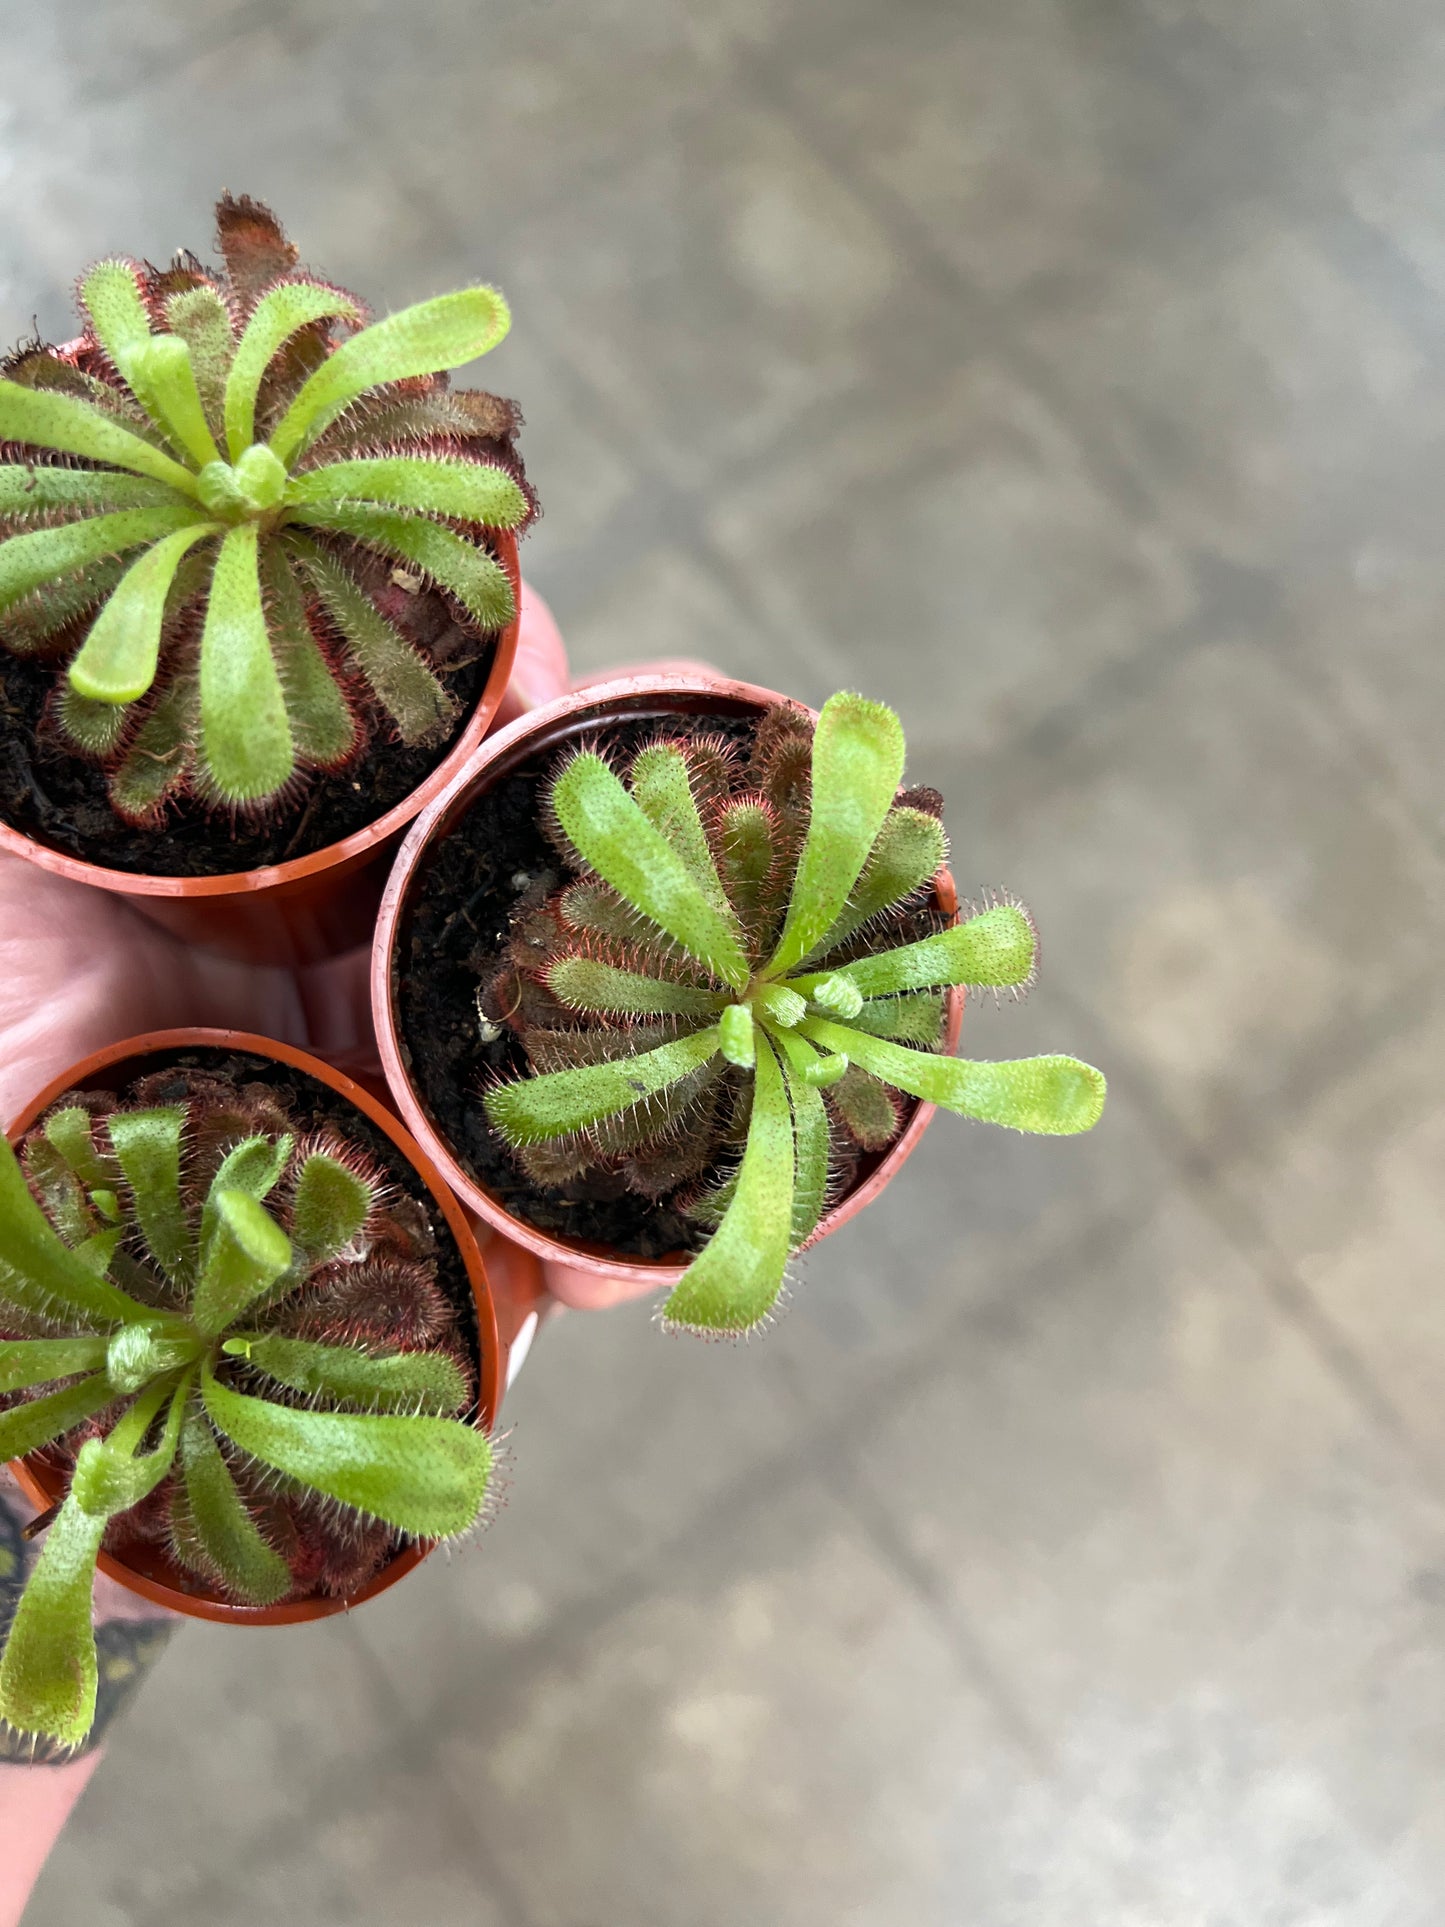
[
  {"x": 198, "y": 492},
  {"x": 233, "y": 1342},
  {"x": 738, "y": 968}
]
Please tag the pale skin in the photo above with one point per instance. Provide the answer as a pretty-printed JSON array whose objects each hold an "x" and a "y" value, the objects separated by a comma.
[{"x": 78, "y": 970}]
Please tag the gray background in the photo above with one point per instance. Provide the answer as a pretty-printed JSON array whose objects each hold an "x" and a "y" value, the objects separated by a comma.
[{"x": 1069, "y": 374}]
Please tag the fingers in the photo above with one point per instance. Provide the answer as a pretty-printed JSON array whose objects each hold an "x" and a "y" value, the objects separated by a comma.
[{"x": 79, "y": 969}]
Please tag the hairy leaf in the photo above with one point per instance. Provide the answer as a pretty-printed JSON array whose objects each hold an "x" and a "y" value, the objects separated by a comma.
[
  {"x": 323, "y": 728},
  {"x": 25, "y": 1428},
  {"x": 423, "y": 340},
  {"x": 469, "y": 491},
  {"x": 1056, "y": 1096},
  {"x": 117, "y": 662},
  {"x": 48, "y": 1675},
  {"x": 149, "y": 1151},
  {"x": 331, "y": 1207},
  {"x": 429, "y": 1381},
  {"x": 110, "y": 294},
  {"x": 869, "y": 1111},
  {"x": 201, "y": 319},
  {"x": 611, "y": 833},
  {"x": 456, "y": 564},
  {"x": 139, "y": 1353},
  {"x": 74, "y": 427},
  {"x": 837, "y": 995},
  {"x": 30, "y": 624},
  {"x": 69, "y": 1130},
  {"x": 994, "y": 948},
  {"x": 582, "y": 983},
  {"x": 733, "y": 1284},
  {"x": 810, "y": 1134},
  {"x": 914, "y": 1019},
  {"x": 26, "y": 490},
  {"x": 52, "y": 1278},
  {"x": 747, "y": 846},
  {"x": 857, "y": 765},
  {"x": 245, "y": 735},
  {"x": 737, "y": 1039},
  {"x": 158, "y": 757},
  {"x": 534, "y": 1109},
  {"x": 247, "y": 1251},
  {"x": 276, "y": 317},
  {"x": 782, "y": 1004},
  {"x": 92, "y": 729},
  {"x": 36, "y": 1361},
  {"x": 254, "y": 1166},
  {"x": 909, "y": 849},
  {"x": 661, "y": 784},
  {"x": 226, "y": 1534},
  {"x": 415, "y": 699},
  {"x": 161, "y": 374},
  {"x": 27, "y": 562},
  {"x": 111, "y": 1475},
  {"x": 425, "y": 1476}
]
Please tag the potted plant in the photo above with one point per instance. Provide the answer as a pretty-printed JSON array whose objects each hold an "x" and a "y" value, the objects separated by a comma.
[
  {"x": 249, "y": 1361},
  {"x": 666, "y": 984},
  {"x": 258, "y": 587}
]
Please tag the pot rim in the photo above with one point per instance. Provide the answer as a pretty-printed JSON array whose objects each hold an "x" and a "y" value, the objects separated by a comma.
[
  {"x": 41, "y": 1486},
  {"x": 637, "y": 693},
  {"x": 349, "y": 850}
]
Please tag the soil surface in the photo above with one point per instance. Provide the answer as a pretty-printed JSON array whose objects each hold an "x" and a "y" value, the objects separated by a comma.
[{"x": 52, "y": 795}]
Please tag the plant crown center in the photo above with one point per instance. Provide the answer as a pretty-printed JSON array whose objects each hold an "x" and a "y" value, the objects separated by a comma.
[{"x": 248, "y": 490}]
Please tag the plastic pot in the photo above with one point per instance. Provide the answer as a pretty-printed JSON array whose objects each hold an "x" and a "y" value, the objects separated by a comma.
[
  {"x": 151, "y": 1573},
  {"x": 310, "y": 907},
  {"x": 577, "y": 715}
]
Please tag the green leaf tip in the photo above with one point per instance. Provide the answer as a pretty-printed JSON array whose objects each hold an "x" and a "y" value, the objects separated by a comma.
[
  {"x": 245, "y": 732},
  {"x": 48, "y": 1674},
  {"x": 332, "y": 1202},
  {"x": 535, "y": 1109},
  {"x": 247, "y": 1252},
  {"x": 424, "y": 340},
  {"x": 857, "y": 767},
  {"x": 1052, "y": 1095},
  {"x": 731, "y": 1287}
]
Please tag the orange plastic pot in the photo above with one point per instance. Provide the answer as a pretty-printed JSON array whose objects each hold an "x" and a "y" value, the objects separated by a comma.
[
  {"x": 625, "y": 700},
  {"x": 151, "y": 1573},
  {"x": 310, "y": 907}
]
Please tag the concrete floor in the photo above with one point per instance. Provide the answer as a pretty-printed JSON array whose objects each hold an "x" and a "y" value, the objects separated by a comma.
[{"x": 1070, "y": 373}]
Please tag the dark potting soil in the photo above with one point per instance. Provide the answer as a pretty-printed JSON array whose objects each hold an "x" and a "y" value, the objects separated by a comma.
[
  {"x": 455, "y": 927},
  {"x": 50, "y": 794},
  {"x": 312, "y": 1106}
]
